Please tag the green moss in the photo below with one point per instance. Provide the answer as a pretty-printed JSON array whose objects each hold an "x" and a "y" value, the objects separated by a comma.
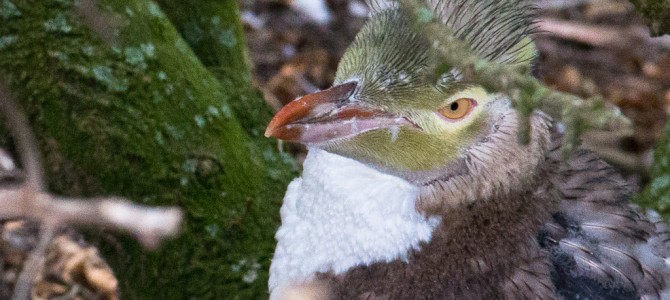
[
  {"x": 8, "y": 40},
  {"x": 57, "y": 24},
  {"x": 657, "y": 194},
  {"x": 213, "y": 30},
  {"x": 8, "y": 10},
  {"x": 146, "y": 120}
]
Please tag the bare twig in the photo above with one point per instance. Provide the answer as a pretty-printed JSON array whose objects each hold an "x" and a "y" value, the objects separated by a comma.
[
  {"x": 34, "y": 263},
  {"x": 31, "y": 200},
  {"x": 148, "y": 224},
  {"x": 595, "y": 35},
  {"x": 598, "y": 35},
  {"x": 560, "y": 4},
  {"x": 25, "y": 139}
]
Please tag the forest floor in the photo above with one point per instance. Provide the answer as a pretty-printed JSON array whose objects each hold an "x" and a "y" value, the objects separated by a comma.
[{"x": 589, "y": 48}]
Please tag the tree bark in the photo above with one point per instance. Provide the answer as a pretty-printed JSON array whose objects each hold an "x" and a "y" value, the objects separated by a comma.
[
  {"x": 123, "y": 106},
  {"x": 213, "y": 30}
]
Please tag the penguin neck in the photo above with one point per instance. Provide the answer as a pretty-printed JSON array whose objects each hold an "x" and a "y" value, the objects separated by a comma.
[
  {"x": 342, "y": 214},
  {"x": 478, "y": 250}
]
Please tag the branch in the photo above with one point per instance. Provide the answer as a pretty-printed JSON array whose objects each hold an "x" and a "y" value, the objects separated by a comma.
[
  {"x": 34, "y": 263},
  {"x": 149, "y": 225},
  {"x": 598, "y": 35},
  {"x": 25, "y": 140}
]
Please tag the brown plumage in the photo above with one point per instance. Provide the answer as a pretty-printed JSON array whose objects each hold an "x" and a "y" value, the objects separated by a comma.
[{"x": 573, "y": 236}]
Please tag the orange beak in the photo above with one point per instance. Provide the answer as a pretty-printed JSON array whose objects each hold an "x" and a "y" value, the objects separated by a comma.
[{"x": 328, "y": 115}]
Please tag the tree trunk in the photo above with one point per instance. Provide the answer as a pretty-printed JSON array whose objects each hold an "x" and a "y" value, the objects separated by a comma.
[
  {"x": 214, "y": 32},
  {"x": 123, "y": 106}
]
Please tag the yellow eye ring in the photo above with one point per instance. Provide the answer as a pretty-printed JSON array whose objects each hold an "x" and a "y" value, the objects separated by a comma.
[{"x": 458, "y": 109}]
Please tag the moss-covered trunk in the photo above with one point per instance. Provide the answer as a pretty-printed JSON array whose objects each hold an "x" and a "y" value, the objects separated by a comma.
[
  {"x": 123, "y": 106},
  {"x": 213, "y": 30}
]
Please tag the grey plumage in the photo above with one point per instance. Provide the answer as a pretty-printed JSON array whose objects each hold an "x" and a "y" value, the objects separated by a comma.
[{"x": 599, "y": 240}]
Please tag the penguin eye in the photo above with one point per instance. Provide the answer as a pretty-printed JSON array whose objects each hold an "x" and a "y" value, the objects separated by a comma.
[{"x": 458, "y": 109}]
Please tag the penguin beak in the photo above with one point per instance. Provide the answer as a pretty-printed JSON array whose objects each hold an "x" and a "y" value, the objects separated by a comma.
[{"x": 328, "y": 115}]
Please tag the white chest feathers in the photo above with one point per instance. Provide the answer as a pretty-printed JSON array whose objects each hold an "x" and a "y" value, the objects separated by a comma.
[{"x": 341, "y": 214}]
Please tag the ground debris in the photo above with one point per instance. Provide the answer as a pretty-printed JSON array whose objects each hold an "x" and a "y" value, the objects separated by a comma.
[{"x": 72, "y": 269}]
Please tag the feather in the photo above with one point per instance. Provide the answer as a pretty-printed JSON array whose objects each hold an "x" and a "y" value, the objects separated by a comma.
[
  {"x": 389, "y": 44},
  {"x": 494, "y": 29},
  {"x": 608, "y": 248}
]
